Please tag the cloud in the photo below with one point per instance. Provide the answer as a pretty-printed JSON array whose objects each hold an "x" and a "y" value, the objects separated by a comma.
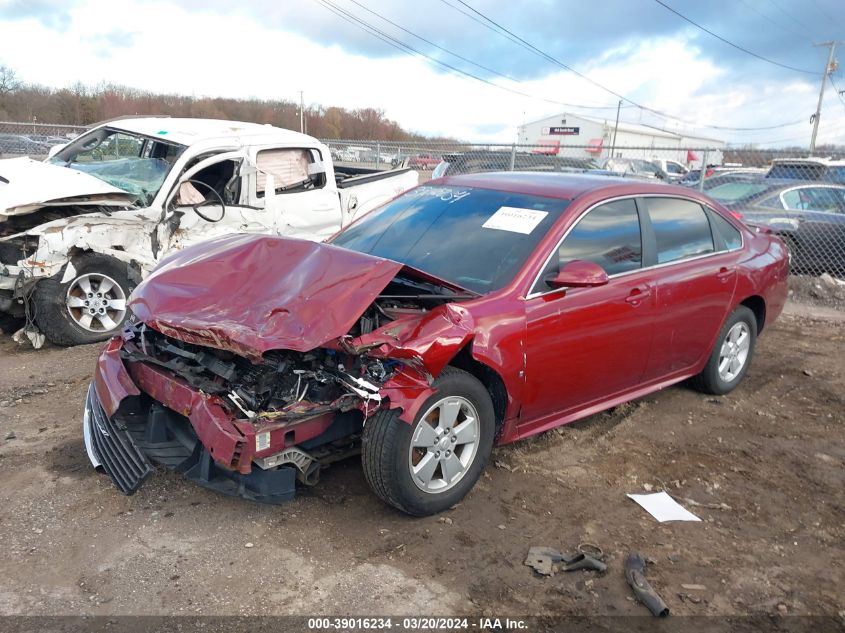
[
  {"x": 274, "y": 50},
  {"x": 53, "y": 14},
  {"x": 106, "y": 43}
]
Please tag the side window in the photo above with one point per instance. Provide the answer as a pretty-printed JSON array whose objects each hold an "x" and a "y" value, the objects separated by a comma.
[
  {"x": 290, "y": 169},
  {"x": 673, "y": 168},
  {"x": 730, "y": 234},
  {"x": 609, "y": 235},
  {"x": 218, "y": 181},
  {"x": 825, "y": 199},
  {"x": 793, "y": 199},
  {"x": 772, "y": 202},
  {"x": 681, "y": 229},
  {"x": 113, "y": 147}
]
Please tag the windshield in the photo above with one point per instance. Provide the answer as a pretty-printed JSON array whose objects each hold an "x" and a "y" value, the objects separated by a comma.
[
  {"x": 732, "y": 192},
  {"x": 475, "y": 238},
  {"x": 133, "y": 163}
]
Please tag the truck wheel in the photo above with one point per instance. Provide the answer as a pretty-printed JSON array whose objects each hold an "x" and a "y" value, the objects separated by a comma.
[
  {"x": 731, "y": 355},
  {"x": 428, "y": 466},
  {"x": 90, "y": 307}
]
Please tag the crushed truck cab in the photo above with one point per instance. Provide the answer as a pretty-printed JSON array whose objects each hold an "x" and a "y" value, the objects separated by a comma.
[{"x": 79, "y": 231}]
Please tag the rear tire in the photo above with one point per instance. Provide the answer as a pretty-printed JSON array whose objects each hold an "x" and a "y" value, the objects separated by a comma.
[
  {"x": 731, "y": 355},
  {"x": 398, "y": 472},
  {"x": 60, "y": 309}
]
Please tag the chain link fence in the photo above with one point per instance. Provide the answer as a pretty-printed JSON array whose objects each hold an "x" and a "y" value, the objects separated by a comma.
[
  {"x": 33, "y": 139},
  {"x": 801, "y": 199}
]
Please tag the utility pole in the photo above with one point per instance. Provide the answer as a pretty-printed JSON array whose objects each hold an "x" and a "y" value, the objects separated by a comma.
[
  {"x": 828, "y": 69},
  {"x": 615, "y": 128},
  {"x": 301, "y": 112}
]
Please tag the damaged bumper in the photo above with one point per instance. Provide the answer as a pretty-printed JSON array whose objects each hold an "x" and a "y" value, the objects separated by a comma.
[
  {"x": 138, "y": 416},
  {"x": 126, "y": 449}
]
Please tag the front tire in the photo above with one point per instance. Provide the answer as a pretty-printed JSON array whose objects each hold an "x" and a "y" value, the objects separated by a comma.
[
  {"x": 430, "y": 465},
  {"x": 91, "y": 307},
  {"x": 731, "y": 355}
]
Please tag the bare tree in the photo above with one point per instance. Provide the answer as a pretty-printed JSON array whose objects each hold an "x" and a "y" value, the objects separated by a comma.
[{"x": 9, "y": 81}]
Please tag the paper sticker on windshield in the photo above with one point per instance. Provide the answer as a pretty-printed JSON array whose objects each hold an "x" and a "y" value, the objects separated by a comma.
[{"x": 515, "y": 220}]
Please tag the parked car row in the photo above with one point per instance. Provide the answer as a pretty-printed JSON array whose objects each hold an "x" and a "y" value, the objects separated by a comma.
[
  {"x": 28, "y": 144},
  {"x": 801, "y": 200}
]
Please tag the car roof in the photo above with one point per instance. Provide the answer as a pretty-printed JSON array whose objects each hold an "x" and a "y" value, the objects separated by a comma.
[
  {"x": 565, "y": 186},
  {"x": 191, "y": 131},
  {"x": 811, "y": 160}
]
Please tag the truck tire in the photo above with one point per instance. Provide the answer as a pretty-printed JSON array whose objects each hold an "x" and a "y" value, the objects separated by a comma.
[
  {"x": 428, "y": 466},
  {"x": 88, "y": 308}
]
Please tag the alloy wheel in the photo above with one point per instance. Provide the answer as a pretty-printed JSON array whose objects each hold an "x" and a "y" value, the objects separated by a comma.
[
  {"x": 734, "y": 352},
  {"x": 96, "y": 302},
  {"x": 444, "y": 444}
]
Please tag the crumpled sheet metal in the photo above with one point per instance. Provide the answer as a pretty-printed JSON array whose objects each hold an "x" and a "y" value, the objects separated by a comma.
[
  {"x": 433, "y": 339},
  {"x": 249, "y": 294}
]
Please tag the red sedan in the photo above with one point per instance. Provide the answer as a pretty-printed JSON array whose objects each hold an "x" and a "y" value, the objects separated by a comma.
[{"x": 471, "y": 311}]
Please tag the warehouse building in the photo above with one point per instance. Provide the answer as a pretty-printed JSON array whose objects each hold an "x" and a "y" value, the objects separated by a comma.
[{"x": 582, "y": 136}]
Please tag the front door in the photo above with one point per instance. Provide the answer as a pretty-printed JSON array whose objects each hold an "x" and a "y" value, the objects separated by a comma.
[{"x": 583, "y": 345}]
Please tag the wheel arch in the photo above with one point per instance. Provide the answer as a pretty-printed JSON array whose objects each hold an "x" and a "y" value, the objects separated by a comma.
[
  {"x": 757, "y": 305},
  {"x": 488, "y": 377}
]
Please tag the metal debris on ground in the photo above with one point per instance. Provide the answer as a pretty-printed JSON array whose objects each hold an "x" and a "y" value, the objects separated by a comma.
[
  {"x": 635, "y": 575},
  {"x": 548, "y": 561}
]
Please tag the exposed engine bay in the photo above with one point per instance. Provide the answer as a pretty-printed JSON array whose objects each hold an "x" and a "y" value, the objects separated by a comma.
[{"x": 288, "y": 385}]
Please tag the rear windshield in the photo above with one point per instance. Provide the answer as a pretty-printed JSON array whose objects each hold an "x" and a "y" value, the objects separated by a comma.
[
  {"x": 797, "y": 171},
  {"x": 475, "y": 238},
  {"x": 732, "y": 192}
]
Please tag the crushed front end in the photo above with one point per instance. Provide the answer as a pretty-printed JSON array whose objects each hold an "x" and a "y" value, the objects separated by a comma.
[
  {"x": 248, "y": 400},
  {"x": 238, "y": 427}
]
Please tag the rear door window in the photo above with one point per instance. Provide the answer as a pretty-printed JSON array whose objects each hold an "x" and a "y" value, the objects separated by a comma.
[
  {"x": 289, "y": 169},
  {"x": 729, "y": 233},
  {"x": 681, "y": 229},
  {"x": 826, "y": 199}
]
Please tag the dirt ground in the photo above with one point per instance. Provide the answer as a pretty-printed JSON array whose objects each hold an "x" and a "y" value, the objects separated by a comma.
[{"x": 763, "y": 467}]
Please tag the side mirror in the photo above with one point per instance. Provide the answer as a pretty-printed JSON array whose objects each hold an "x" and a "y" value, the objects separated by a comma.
[
  {"x": 578, "y": 274},
  {"x": 55, "y": 149}
]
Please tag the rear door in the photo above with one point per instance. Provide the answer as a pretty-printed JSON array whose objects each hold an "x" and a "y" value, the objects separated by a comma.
[
  {"x": 583, "y": 345},
  {"x": 694, "y": 260}
]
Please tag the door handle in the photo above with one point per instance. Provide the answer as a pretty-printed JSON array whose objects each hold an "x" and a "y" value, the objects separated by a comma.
[
  {"x": 724, "y": 274},
  {"x": 637, "y": 296}
]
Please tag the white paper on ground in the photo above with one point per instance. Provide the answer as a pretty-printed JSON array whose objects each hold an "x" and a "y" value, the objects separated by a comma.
[
  {"x": 515, "y": 220},
  {"x": 663, "y": 507}
]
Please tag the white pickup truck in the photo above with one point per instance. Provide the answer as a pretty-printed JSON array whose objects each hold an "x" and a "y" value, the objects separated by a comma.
[{"x": 81, "y": 229}]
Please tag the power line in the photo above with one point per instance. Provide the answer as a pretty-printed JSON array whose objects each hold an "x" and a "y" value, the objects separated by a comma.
[
  {"x": 766, "y": 17},
  {"x": 410, "y": 50},
  {"x": 461, "y": 57},
  {"x": 502, "y": 31},
  {"x": 836, "y": 89},
  {"x": 807, "y": 29},
  {"x": 824, "y": 12},
  {"x": 729, "y": 43}
]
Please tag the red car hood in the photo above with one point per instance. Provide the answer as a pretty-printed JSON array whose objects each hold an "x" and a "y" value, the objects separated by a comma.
[{"x": 250, "y": 294}]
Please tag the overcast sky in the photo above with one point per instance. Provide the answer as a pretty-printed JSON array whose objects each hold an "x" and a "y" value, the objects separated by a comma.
[{"x": 636, "y": 48}]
